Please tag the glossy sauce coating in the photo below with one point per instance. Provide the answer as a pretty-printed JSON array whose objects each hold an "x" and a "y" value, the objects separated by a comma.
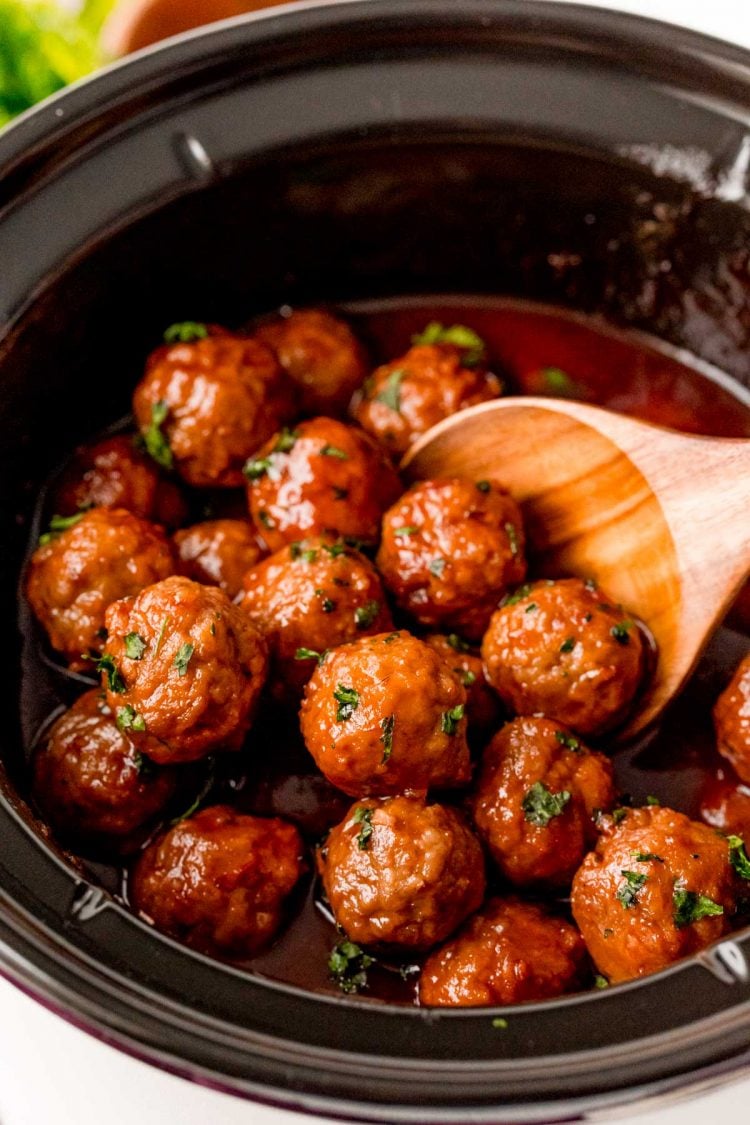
[
  {"x": 323, "y": 477},
  {"x": 561, "y": 649},
  {"x": 535, "y": 801},
  {"x": 308, "y": 598},
  {"x": 400, "y": 873},
  {"x": 402, "y": 399},
  {"x": 218, "y": 552},
  {"x": 508, "y": 952},
  {"x": 72, "y": 579},
  {"x": 224, "y": 396},
  {"x": 450, "y": 550},
  {"x": 385, "y": 714},
  {"x": 732, "y": 720},
  {"x": 218, "y": 880},
  {"x": 627, "y": 896},
  {"x": 194, "y": 675}
]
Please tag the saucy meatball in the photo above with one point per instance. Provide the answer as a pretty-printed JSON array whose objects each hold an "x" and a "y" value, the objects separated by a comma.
[
  {"x": 218, "y": 552},
  {"x": 450, "y": 551},
  {"x": 732, "y": 721},
  {"x": 400, "y": 873},
  {"x": 483, "y": 708},
  {"x": 385, "y": 714},
  {"x": 310, "y": 597},
  {"x": 538, "y": 791},
  {"x": 218, "y": 880},
  {"x": 183, "y": 670},
  {"x": 105, "y": 554},
  {"x": 404, "y": 398},
  {"x": 204, "y": 406},
  {"x": 89, "y": 779},
  {"x": 510, "y": 951},
  {"x": 322, "y": 356},
  {"x": 114, "y": 474},
  {"x": 657, "y": 887},
  {"x": 561, "y": 649},
  {"x": 321, "y": 478}
]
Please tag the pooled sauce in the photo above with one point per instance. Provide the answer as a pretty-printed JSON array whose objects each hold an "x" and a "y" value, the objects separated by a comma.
[{"x": 535, "y": 351}]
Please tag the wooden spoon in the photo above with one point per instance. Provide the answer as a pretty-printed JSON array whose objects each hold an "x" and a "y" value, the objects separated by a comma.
[{"x": 661, "y": 520}]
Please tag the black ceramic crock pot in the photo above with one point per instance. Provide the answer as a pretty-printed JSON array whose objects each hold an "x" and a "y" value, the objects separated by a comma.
[{"x": 372, "y": 148}]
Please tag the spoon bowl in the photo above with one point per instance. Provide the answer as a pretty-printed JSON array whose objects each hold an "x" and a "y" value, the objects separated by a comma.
[{"x": 660, "y": 519}]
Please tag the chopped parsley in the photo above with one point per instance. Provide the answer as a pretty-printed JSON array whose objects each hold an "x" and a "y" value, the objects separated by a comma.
[
  {"x": 334, "y": 451},
  {"x": 348, "y": 965},
  {"x": 456, "y": 643},
  {"x": 364, "y": 615},
  {"x": 307, "y": 554},
  {"x": 348, "y": 702},
  {"x": 286, "y": 440},
  {"x": 162, "y": 631},
  {"x": 467, "y": 677},
  {"x": 531, "y": 607},
  {"x": 569, "y": 741},
  {"x": 310, "y": 654},
  {"x": 135, "y": 646},
  {"x": 256, "y": 468},
  {"x": 182, "y": 659},
  {"x": 499, "y": 1023},
  {"x": 437, "y": 566},
  {"x": 106, "y": 664},
  {"x": 510, "y": 531},
  {"x": 738, "y": 856},
  {"x": 328, "y": 605},
  {"x": 459, "y": 335},
  {"x": 627, "y": 893},
  {"x": 654, "y": 802},
  {"x": 600, "y": 981},
  {"x": 335, "y": 549},
  {"x": 390, "y": 395},
  {"x": 363, "y": 817},
  {"x": 405, "y": 532},
  {"x": 450, "y": 719},
  {"x": 557, "y": 381},
  {"x": 620, "y": 632},
  {"x": 513, "y": 599},
  {"x": 540, "y": 806},
  {"x": 128, "y": 718},
  {"x": 568, "y": 644},
  {"x": 618, "y": 815},
  {"x": 484, "y": 485},
  {"x": 387, "y": 725},
  {"x": 58, "y": 524},
  {"x": 266, "y": 520},
  {"x": 185, "y": 331},
  {"x": 154, "y": 441},
  {"x": 689, "y": 907}
]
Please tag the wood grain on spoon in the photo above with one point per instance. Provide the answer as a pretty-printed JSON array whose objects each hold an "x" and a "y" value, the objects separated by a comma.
[{"x": 660, "y": 519}]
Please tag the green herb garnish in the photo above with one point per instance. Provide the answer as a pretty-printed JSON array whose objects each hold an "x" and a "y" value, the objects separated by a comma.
[
  {"x": 459, "y": 335},
  {"x": 738, "y": 856},
  {"x": 309, "y": 654},
  {"x": 620, "y": 632},
  {"x": 627, "y": 893},
  {"x": 128, "y": 718},
  {"x": 689, "y": 907},
  {"x": 182, "y": 659},
  {"x": 256, "y": 468},
  {"x": 647, "y": 857},
  {"x": 568, "y": 644},
  {"x": 185, "y": 332},
  {"x": 467, "y": 677},
  {"x": 499, "y": 1023},
  {"x": 437, "y": 566},
  {"x": 484, "y": 485},
  {"x": 59, "y": 524},
  {"x": 363, "y": 817},
  {"x": 513, "y": 599},
  {"x": 390, "y": 395},
  {"x": 456, "y": 643},
  {"x": 540, "y": 806},
  {"x": 387, "y": 725},
  {"x": 106, "y": 664},
  {"x": 600, "y": 981},
  {"x": 286, "y": 440},
  {"x": 334, "y": 451},
  {"x": 557, "y": 381},
  {"x": 348, "y": 965},
  {"x": 135, "y": 646},
  {"x": 348, "y": 702},
  {"x": 510, "y": 531},
  {"x": 162, "y": 631},
  {"x": 450, "y": 719},
  {"x": 405, "y": 532},
  {"x": 364, "y": 615},
  {"x": 154, "y": 441},
  {"x": 569, "y": 741}
]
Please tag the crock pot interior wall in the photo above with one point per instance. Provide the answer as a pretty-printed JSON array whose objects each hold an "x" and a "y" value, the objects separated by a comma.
[{"x": 537, "y": 203}]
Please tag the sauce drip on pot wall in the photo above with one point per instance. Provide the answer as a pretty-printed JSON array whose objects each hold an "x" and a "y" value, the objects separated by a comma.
[{"x": 536, "y": 351}]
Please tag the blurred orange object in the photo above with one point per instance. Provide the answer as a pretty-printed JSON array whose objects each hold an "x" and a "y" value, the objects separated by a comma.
[{"x": 138, "y": 23}]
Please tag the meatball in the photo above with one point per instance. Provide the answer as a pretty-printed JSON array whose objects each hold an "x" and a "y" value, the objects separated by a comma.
[
  {"x": 385, "y": 714},
  {"x": 310, "y": 597},
  {"x": 561, "y": 649},
  {"x": 732, "y": 721},
  {"x": 322, "y": 356},
  {"x": 483, "y": 708},
  {"x": 657, "y": 887},
  {"x": 89, "y": 779},
  {"x": 399, "y": 873},
  {"x": 218, "y": 552},
  {"x": 114, "y": 474},
  {"x": 205, "y": 406},
  {"x": 538, "y": 791},
  {"x": 103, "y": 555},
  {"x": 510, "y": 951},
  {"x": 218, "y": 880},
  {"x": 403, "y": 399},
  {"x": 183, "y": 670},
  {"x": 450, "y": 550},
  {"x": 322, "y": 478}
]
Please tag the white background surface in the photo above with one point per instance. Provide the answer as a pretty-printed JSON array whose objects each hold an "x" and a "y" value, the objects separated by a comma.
[{"x": 53, "y": 1074}]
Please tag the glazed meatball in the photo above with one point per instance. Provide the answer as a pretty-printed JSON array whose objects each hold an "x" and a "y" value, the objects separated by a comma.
[
  {"x": 450, "y": 551},
  {"x": 203, "y": 407},
  {"x": 402, "y": 874},
  {"x": 386, "y": 714},
  {"x": 561, "y": 649},
  {"x": 321, "y": 478},
  {"x": 510, "y": 951},
  {"x": 732, "y": 721},
  {"x": 321, "y": 355},
  {"x": 75, "y": 574},
  {"x": 89, "y": 779},
  {"x": 218, "y": 552},
  {"x": 483, "y": 708},
  {"x": 403, "y": 399},
  {"x": 114, "y": 474},
  {"x": 218, "y": 880},
  {"x": 183, "y": 670},
  {"x": 657, "y": 887},
  {"x": 538, "y": 791},
  {"x": 310, "y": 597}
]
